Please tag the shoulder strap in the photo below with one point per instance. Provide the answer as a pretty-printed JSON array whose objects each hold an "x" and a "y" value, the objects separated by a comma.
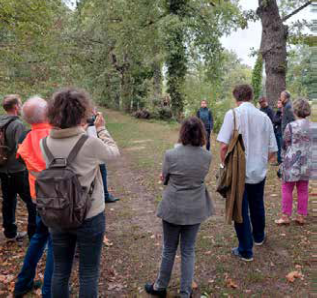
[
  {"x": 234, "y": 120},
  {"x": 72, "y": 155},
  {"x": 8, "y": 123},
  {"x": 291, "y": 132},
  {"x": 47, "y": 151}
]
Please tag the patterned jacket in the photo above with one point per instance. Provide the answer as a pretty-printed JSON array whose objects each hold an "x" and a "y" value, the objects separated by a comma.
[{"x": 296, "y": 151}]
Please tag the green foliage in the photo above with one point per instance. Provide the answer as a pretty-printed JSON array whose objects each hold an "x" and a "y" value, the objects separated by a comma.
[
  {"x": 123, "y": 51},
  {"x": 217, "y": 93},
  {"x": 31, "y": 46},
  {"x": 298, "y": 75},
  {"x": 257, "y": 77}
]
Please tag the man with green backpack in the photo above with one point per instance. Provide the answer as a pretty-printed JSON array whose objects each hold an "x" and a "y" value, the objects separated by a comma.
[{"x": 13, "y": 174}]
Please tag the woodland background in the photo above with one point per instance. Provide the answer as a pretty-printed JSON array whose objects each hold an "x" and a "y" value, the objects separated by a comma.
[{"x": 160, "y": 56}]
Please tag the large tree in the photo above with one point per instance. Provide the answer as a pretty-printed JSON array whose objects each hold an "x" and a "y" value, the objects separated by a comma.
[{"x": 274, "y": 44}]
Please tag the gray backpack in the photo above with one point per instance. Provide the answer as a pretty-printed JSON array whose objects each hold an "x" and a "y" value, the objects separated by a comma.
[{"x": 61, "y": 200}]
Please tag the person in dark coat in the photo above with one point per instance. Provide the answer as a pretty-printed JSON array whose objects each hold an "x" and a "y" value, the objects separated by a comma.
[
  {"x": 265, "y": 108},
  {"x": 287, "y": 115},
  {"x": 205, "y": 115},
  {"x": 277, "y": 124}
]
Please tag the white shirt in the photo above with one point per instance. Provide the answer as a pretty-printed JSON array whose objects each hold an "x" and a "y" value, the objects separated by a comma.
[
  {"x": 92, "y": 131},
  {"x": 258, "y": 137}
]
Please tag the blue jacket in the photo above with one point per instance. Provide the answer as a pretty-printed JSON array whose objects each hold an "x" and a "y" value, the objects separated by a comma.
[{"x": 205, "y": 115}]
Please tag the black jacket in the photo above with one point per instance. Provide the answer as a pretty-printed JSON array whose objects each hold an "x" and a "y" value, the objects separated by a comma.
[
  {"x": 288, "y": 115},
  {"x": 277, "y": 122},
  {"x": 268, "y": 111}
]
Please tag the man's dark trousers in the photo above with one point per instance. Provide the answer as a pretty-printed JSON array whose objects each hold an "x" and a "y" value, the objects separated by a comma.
[
  {"x": 208, "y": 133},
  {"x": 13, "y": 184},
  {"x": 247, "y": 231}
]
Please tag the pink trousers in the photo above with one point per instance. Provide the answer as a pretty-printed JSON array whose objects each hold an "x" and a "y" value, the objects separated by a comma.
[{"x": 287, "y": 197}]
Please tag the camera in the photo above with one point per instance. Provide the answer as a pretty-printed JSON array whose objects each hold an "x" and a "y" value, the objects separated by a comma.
[{"x": 91, "y": 120}]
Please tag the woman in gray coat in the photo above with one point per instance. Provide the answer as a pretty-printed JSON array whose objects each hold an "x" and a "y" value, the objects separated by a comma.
[{"x": 186, "y": 204}]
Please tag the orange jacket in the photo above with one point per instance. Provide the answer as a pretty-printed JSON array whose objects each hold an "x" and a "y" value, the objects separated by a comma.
[{"x": 30, "y": 152}]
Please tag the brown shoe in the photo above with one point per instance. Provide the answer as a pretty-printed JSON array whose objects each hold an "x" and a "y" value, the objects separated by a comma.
[
  {"x": 284, "y": 220},
  {"x": 300, "y": 219}
]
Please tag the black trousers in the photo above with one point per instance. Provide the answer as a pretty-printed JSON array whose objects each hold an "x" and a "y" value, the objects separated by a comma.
[
  {"x": 12, "y": 185},
  {"x": 208, "y": 132}
]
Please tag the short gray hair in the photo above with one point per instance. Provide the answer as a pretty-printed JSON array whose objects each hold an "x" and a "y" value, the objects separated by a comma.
[{"x": 38, "y": 110}]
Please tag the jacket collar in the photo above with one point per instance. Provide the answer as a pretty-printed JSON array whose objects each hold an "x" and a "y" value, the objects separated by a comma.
[
  {"x": 41, "y": 126},
  {"x": 57, "y": 133}
]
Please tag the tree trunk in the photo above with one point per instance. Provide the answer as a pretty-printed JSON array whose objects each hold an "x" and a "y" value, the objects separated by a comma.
[{"x": 273, "y": 49}]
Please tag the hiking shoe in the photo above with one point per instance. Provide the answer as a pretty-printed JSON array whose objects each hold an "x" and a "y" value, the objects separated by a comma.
[
  {"x": 111, "y": 199},
  {"x": 19, "y": 237},
  {"x": 260, "y": 243},
  {"x": 149, "y": 288},
  {"x": 20, "y": 294},
  {"x": 236, "y": 253}
]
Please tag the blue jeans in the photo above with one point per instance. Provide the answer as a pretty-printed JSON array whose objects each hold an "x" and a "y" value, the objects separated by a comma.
[
  {"x": 33, "y": 255},
  {"x": 103, "y": 171},
  {"x": 279, "y": 141},
  {"x": 252, "y": 200},
  {"x": 89, "y": 239},
  {"x": 187, "y": 236}
]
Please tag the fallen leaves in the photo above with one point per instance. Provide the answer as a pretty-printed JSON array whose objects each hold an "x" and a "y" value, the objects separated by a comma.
[
  {"x": 295, "y": 274},
  {"x": 230, "y": 283},
  {"x": 6, "y": 278},
  {"x": 194, "y": 286},
  {"x": 107, "y": 242}
]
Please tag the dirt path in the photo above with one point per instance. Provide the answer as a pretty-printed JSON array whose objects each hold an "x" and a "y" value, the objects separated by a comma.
[{"x": 133, "y": 231}]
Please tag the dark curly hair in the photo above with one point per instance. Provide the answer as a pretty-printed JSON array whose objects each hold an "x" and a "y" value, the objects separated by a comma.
[
  {"x": 192, "y": 132},
  {"x": 69, "y": 107},
  {"x": 243, "y": 92}
]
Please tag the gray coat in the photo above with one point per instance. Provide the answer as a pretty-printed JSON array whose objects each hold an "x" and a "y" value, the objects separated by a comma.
[
  {"x": 13, "y": 133},
  {"x": 287, "y": 115},
  {"x": 186, "y": 200}
]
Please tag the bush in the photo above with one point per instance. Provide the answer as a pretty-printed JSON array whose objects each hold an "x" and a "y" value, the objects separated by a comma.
[
  {"x": 219, "y": 110},
  {"x": 163, "y": 113},
  {"x": 142, "y": 114}
]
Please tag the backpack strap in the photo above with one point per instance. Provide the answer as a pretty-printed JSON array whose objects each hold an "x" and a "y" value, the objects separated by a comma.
[
  {"x": 5, "y": 126},
  {"x": 47, "y": 151},
  {"x": 72, "y": 155}
]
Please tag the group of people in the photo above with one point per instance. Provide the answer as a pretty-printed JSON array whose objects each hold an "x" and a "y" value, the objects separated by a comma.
[
  {"x": 57, "y": 127},
  {"x": 61, "y": 121}
]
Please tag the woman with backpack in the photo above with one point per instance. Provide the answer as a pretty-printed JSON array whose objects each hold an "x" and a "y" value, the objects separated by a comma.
[
  {"x": 186, "y": 204},
  {"x": 69, "y": 146}
]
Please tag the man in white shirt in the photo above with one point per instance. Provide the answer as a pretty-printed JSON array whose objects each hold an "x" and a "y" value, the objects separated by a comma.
[{"x": 260, "y": 146}]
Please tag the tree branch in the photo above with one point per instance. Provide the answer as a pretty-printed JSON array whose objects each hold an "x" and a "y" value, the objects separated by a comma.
[{"x": 296, "y": 11}]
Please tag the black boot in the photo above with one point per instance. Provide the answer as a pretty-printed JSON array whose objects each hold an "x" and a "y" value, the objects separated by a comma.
[{"x": 149, "y": 288}]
